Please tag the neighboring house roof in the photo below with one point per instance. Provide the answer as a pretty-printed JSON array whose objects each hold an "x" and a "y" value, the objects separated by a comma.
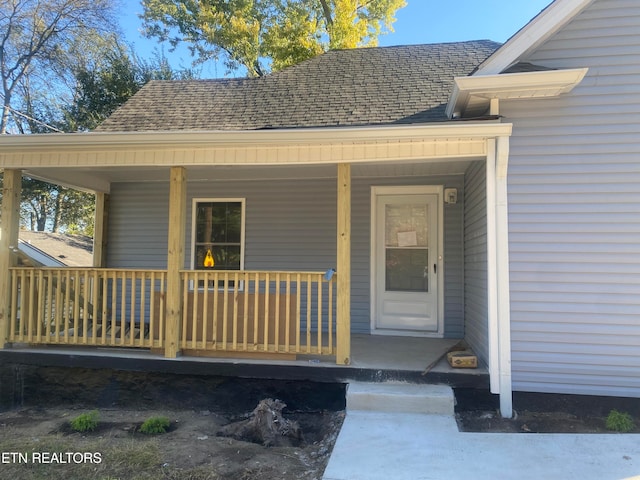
[
  {"x": 55, "y": 249},
  {"x": 367, "y": 86}
]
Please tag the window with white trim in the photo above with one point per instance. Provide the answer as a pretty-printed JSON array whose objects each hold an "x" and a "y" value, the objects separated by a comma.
[{"x": 218, "y": 234}]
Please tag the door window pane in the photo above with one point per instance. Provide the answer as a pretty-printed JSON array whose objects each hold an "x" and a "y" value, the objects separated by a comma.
[
  {"x": 407, "y": 270},
  {"x": 406, "y": 225}
]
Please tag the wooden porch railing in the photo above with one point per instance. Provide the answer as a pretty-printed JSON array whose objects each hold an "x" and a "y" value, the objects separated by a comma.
[
  {"x": 251, "y": 311},
  {"x": 222, "y": 311},
  {"x": 85, "y": 306}
]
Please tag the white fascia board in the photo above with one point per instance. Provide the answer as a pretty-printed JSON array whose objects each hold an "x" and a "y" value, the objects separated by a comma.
[
  {"x": 548, "y": 83},
  {"x": 103, "y": 141},
  {"x": 38, "y": 256},
  {"x": 532, "y": 35}
]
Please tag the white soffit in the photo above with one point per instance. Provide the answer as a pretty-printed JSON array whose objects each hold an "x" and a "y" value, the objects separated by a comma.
[{"x": 472, "y": 95}]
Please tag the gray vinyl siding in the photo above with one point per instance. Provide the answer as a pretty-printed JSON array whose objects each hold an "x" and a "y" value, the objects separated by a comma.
[
  {"x": 290, "y": 225},
  {"x": 574, "y": 213},
  {"x": 137, "y": 231},
  {"x": 475, "y": 261}
]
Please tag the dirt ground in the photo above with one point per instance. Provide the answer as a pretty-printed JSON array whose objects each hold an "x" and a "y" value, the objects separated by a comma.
[
  {"x": 542, "y": 413},
  {"x": 190, "y": 449},
  {"x": 37, "y": 404},
  {"x": 45, "y": 400}
]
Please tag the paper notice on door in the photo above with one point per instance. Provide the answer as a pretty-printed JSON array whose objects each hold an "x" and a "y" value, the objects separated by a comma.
[{"x": 407, "y": 239}]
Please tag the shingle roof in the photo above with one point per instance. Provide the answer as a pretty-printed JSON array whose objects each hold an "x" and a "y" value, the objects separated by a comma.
[
  {"x": 368, "y": 86},
  {"x": 70, "y": 250}
]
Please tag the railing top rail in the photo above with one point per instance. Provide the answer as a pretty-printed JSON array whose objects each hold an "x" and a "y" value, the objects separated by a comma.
[
  {"x": 261, "y": 272},
  {"x": 186, "y": 271},
  {"x": 90, "y": 269}
]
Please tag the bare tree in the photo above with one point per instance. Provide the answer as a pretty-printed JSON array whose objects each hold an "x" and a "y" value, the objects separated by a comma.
[{"x": 34, "y": 35}]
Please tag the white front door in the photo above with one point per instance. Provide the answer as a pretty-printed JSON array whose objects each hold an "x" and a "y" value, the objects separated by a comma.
[{"x": 407, "y": 260}]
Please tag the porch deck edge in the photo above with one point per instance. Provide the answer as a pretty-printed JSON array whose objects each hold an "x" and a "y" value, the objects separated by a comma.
[{"x": 299, "y": 370}]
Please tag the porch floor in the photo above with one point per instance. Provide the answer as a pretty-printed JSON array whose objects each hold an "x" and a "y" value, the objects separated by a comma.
[{"x": 374, "y": 359}]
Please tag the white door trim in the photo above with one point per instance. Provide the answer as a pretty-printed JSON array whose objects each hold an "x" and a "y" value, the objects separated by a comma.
[{"x": 408, "y": 190}]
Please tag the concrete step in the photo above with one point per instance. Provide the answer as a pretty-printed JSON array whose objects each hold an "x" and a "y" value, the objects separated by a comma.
[{"x": 400, "y": 398}]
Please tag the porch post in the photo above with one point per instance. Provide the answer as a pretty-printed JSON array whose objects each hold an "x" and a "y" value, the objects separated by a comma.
[
  {"x": 175, "y": 259},
  {"x": 100, "y": 230},
  {"x": 11, "y": 192},
  {"x": 343, "y": 267}
]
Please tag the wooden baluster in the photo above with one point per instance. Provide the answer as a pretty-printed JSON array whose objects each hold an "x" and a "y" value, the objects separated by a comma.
[
  {"x": 132, "y": 308},
  {"x": 13, "y": 321},
  {"x": 123, "y": 307},
  {"x": 84, "y": 290},
  {"x": 235, "y": 311},
  {"x": 52, "y": 327},
  {"x": 265, "y": 320},
  {"x": 152, "y": 308},
  {"x": 319, "y": 346},
  {"x": 216, "y": 294},
  {"x": 308, "y": 313},
  {"x": 205, "y": 309},
  {"x": 194, "y": 308},
  {"x": 287, "y": 316},
  {"x": 114, "y": 306},
  {"x": 256, "y": 294},
  {"x": 56, "y": 281},
  {"x": 225, "y": 310},
  {"x": 94, "y": 301},
  {"x": 330, "y": 317},
  {"x": 161, "y": 322},
  {"x": 245, "y": 313},
  {"x": 143, "y": 309},
  {"x": 276, "y": 329}
]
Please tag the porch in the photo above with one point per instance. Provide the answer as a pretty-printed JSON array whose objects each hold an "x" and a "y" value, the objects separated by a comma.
[
  {"x": 374, "y": 359},
  {"x": 307, "y": 205}
]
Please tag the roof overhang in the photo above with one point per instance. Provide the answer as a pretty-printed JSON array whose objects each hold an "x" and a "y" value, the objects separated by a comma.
[
  {"x": 471, "y": 96},
  {"x": 85, "y": 160},
  {"x": 532, "y": 35}
]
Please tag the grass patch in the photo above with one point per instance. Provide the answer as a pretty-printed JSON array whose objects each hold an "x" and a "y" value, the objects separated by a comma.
[
  {"x": 155, "y": 425},
  {"x": 130, "y": 459},
  {"x": 86, "y": 422},
  {"x": 620, "y": 422}
]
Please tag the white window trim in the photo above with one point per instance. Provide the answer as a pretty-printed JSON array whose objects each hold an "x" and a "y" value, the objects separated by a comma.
[{"x": 194, "y": 203}]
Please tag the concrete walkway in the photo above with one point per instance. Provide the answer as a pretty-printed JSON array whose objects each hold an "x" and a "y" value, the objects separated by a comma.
[{"x": 376, "y": 445}]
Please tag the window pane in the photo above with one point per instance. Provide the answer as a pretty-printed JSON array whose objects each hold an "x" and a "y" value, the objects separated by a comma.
[
  {"x": 406, "y": 270},
  {"x": 219, "y": 222},
  {"x": 225, "y": 257}
]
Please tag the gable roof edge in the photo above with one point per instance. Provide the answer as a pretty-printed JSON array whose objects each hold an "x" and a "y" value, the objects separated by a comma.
[{"x": 542, "y": 27}]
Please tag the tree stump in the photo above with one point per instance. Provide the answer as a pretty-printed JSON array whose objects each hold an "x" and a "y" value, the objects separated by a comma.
[{"x": 266, "y": 426}]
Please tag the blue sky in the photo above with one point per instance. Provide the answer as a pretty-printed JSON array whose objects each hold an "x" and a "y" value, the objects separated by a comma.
[{"x": 421, "y": 21}]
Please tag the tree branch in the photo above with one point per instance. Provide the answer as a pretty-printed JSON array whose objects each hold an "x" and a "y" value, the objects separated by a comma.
[{"x": 327, "y": 12}]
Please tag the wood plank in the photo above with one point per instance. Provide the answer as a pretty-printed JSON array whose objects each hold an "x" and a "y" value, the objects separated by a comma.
[
  {"x": 10, "y": 214},
  {"x": 343, "y": 267},
  {"x": 249, "y": 355},
  {"x": 100, "y": 230},
  {"x": 175, "y": 258}
]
